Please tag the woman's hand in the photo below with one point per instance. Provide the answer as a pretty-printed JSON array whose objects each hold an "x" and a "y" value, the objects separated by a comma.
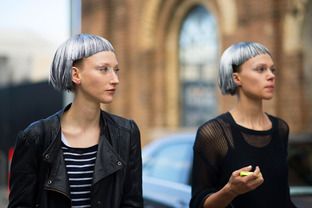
[{"x": 238, "y": 184}]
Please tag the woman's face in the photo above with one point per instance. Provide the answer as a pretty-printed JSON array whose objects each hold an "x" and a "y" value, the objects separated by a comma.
[
  {"x": 256, "y": 77},
  {"x": 97, "y": 77}
]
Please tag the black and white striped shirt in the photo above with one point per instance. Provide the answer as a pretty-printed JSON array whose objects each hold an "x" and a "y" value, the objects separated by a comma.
[{"x": 80, "y": 167}]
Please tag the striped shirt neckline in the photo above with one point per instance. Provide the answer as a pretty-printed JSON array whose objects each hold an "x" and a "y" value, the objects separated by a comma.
[{"x": 80, "y": 164}]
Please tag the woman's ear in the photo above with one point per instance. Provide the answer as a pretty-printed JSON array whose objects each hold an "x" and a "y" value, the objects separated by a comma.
[
  {"x": 236, "y": 79},
  {"x": 75, "y": 75}
]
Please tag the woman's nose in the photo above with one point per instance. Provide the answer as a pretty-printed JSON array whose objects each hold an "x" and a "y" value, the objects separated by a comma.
[
  {"x": 115, "y": 77},
  {"x": 271, "y": 74}
]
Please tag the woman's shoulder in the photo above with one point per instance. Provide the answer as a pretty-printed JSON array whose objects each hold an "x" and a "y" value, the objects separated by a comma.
[
  {"x": 213, "y": 138},
  {"x": 214, "y": 129},
  {"x": 32, "y": 130},
  {"x": 218, "y": 122},
  {"x": 281, "y": 127},
  {"x": 36, "y": 130},
  {"x": 125, "y": 127},
  {"x": 280, "y": 123},
  {"x": 31, "y": 134},
  {"x": 119, "y": 121}
]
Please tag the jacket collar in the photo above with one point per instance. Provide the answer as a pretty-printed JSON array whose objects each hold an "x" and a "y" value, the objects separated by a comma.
[{"x": 107, "y": 162}]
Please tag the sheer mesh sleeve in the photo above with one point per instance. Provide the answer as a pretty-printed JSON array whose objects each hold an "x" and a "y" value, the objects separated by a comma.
[
  {"x": 283, "y": 132},
  {"x": 212, "y": 142}
]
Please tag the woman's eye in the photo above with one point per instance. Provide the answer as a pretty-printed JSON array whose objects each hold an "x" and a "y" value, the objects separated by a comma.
[
  {"x": 108, "y": 69},
  {"x": 104, "y": 69},
  {"x": 273, "y": 70},
  {"x": 260, "y": 69}
]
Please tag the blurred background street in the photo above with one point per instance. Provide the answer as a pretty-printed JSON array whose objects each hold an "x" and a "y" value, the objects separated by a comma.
[
  {"x": 3, "y": 196},
  {"x": 168, "y": 52}
]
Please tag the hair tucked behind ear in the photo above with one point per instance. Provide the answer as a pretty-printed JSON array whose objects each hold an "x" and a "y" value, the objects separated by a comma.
[{"x": 232, "y": 58}]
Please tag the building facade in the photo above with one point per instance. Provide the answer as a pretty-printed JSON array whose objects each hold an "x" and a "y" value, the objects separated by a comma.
[{"x": 168, "y": 52}]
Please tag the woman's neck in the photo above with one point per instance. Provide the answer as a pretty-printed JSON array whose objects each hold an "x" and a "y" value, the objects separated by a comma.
[
  {"x": 82, "y": 114},
  {"x": 250, "y": 114}
]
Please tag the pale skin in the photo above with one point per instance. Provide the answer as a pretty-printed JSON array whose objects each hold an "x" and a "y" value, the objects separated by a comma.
[
  {"x": 96, "y": 80},
  {"x": 256, "y": 81}
]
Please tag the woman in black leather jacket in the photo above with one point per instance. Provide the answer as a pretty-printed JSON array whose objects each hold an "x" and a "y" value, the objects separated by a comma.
[{"x": 81, "y": 156}]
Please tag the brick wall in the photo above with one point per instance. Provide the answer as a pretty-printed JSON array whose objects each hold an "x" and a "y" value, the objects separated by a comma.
[{"x": 145, "y": 34}]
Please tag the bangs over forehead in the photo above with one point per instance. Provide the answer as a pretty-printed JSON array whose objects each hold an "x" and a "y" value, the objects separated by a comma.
[
  {"x": 74, "y": 49},
  {"x": 83, "y": 45},
  {"x": 243, "y": 51},
  {"x": 232, "y": 58}
]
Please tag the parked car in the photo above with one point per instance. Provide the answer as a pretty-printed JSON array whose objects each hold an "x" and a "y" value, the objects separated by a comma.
[{"x": 167, "y": 169}]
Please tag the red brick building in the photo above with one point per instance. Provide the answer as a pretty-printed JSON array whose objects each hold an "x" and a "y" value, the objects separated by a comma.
[{"x": 147, "y": 37}]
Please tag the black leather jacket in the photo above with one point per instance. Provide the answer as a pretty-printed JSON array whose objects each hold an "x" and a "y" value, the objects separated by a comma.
[{"x": 38, "y": 173}]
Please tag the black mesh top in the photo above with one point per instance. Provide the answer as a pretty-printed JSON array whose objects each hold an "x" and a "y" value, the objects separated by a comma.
[{"x": 222, "y": 146}]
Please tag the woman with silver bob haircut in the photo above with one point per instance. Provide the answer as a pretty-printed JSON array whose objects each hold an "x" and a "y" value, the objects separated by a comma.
[
  {"x": 232, "y": 58},
  {"x": 69, "y": 53},
  {"x": 81, "y": 156},
  {"x": 240, "y": 156}
]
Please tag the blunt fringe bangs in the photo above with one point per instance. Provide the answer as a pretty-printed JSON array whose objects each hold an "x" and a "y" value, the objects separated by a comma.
[
  {"x": 74, "y": 49},
  {"x": 232, "y": 58}
]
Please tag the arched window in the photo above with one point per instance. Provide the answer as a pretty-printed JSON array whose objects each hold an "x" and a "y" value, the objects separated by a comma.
[{"x": 198, "y": 57}]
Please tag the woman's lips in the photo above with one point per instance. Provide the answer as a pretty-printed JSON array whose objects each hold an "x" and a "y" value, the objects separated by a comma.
[{"x": 111, "y": 91}]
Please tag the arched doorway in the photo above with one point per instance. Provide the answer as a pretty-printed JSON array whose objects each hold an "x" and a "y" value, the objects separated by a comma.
[{"x": 198, "y": 54}]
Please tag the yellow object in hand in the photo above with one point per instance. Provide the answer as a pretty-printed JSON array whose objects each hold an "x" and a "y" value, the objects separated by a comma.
[{"x": 245, "y": 173}]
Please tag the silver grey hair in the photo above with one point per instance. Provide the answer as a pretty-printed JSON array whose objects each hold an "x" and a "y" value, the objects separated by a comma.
[
  {"x": 232, "y": 58},
  {"x": 74, "y": 49}
]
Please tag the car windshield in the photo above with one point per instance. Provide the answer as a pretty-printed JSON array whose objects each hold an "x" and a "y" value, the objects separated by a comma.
[{"x": 171, "y": 162}]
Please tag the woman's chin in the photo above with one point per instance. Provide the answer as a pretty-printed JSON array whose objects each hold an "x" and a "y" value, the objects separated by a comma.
[
  {"x": 267, "y": 97},
  {"x": 107, "y": 100}
]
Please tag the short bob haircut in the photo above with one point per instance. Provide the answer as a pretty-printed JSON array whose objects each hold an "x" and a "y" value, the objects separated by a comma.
[
  {"x": 232, "y": 58},
  {"x": 74, "y": 49}
]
